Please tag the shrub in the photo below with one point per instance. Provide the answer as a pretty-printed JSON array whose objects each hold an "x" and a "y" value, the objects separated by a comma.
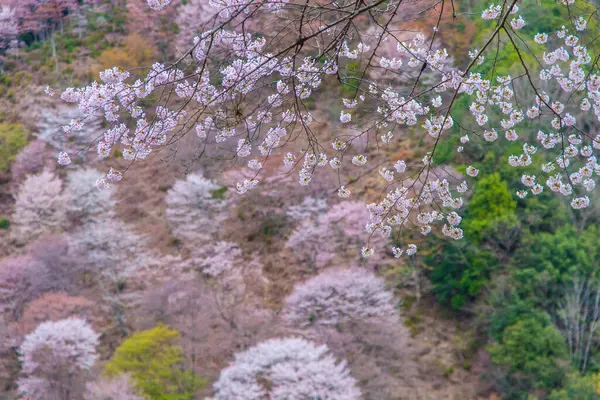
[
  {"x": 459, "y": 272},
  {"x": 13, "y": 137},
  {"x": 135, "y": 52},
  {"x": 578, "y": 387},
  {"x": 491, "y": 203},
  {"x": 535, "y": 349}
]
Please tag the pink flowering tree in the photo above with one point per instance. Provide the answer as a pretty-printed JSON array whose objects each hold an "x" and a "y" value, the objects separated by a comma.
[
  {"x": 55, "y": 306},
  {"x": 290, "y": 368},
  {"x": 338, "y": 295},
  {"x": 193, "y": 18},
  {"x": 112, "y": 253},
  {"x": 233, "y": 278},
  {"x": 8, "y": 25},
  {"x": 212, "y": 330},
  {"x": 309, "y": 208},
  {"x": 118, "y": 388},
  {"x": 350, "y": 310},
  {"x": 240, "y": 94},
  {"x": 40, "y": 207},
  {"x": 195, "y": 208},
  {"x": 96, "y": 248},
  {"x": 29, "y": 161},
  {"x": 47, "y": 266},
  {"x": 221, "y": 259},
  {"x": 55, "y": 357},
  {"x": 18, "y": 283},
  {"x": 310, "y": 241},
  {"x": 320, "y": 237},
  {"x": 86, "y": 202}
]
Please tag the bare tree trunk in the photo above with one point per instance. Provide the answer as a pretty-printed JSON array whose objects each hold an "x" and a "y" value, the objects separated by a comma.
[
  {"x": 53, "y": 43},
  {"x": 593, "y": 328},
  {"x": 580, "y": 314}
]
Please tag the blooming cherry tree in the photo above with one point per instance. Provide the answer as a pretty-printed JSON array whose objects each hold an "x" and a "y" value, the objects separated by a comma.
[
  {"x": 9, "y": 28},
  {"x": 194, "y": 209},
  {"x": 18, "y": 283},
  {"x": 320, "y": 237},
  {"x": 109, "y": 248},
  {"x": 221, "y": 259},
  {"x": 193, "y": 18},
  {"x": 40, "y": 207},
  {"x": 117, "y": 388},
  {"x": 53, "y": 354},
  {"x": 337, "y": 295},
  {"x": 290, "y": 369},
  {"x": 243, "y": 95},
  {"x": 55, "y": 306},
  {"x": 86, "y": 200},
  {"x": 29, "y": 161}
]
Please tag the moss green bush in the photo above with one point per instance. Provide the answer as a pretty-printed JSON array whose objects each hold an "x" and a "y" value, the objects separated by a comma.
[{"x": 13, "y": 137}]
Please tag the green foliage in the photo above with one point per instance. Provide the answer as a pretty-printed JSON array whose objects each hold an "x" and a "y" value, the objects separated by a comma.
[
  {"x": 112, "y": 21},
  {"x": 444, "y": 152},
  {"x": 4, "y": 223},
  {"x": 508, "y": 311},
  {"x": 578, "y": 387},
  {"x": 351, "y": 81},
  {"x": 219, "y": 194},
  {"x": 459, "y": 272},
  {"x": 154, "y": 360},
  {"x": 13, "y": 137},
  {"x": 491, "y": 203},
  {"x": 535, "y": 349},
  {"x": 547, "y": 262}
]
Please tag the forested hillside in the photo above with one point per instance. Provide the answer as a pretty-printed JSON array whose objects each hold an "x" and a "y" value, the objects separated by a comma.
[{"x": 247, "y": 200}]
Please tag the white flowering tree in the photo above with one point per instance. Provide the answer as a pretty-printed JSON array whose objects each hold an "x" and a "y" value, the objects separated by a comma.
[
  {"x": 338, "y": 295},
  {"x": 109, "y": 248},
  {"x": 120, "y": 387},
  {"x": 221, "y": 259},
  {"x": 241, "y": 89},
  {"x": 192, "y": 16},
  {"x": 195, "y": 208},
  {"x": 307, "y": 209},
  {"x": 319, "y": 238},
  {"x": 112, "y": 252},
  {"x": 55, "y": 357},
  {"x": 8, "y": 25},
  {"x": 86, "y": 201},
  {"x": 290, "y": 368},
  {"x": 40, "y": 207}
]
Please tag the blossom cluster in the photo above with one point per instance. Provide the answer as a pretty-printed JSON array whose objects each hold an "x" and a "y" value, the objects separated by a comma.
[
  {"x": 267, "y": 87},
  {"x": 295, "y": 369},
  {"x": 52, "y": 344},
  {"x": 337, "y": 295}
]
